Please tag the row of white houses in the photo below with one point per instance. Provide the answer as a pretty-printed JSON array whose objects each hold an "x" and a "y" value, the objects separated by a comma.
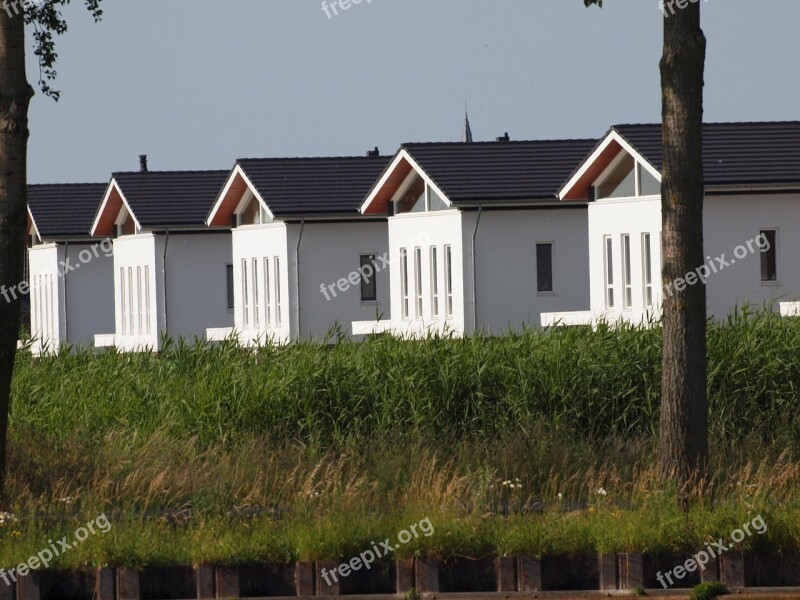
[{"x": 442, "y": 237}]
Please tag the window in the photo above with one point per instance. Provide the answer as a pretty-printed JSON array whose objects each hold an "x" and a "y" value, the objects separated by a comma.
[
  {"x": 404, "y": 282},
  {"x": 267, "y": 293},
  {"x": 418, "y": 282},
  {"x": 647, "y": 271},
  {"x": 278, "y": 316},
  {"x": 648, "y": 185},
  {"x": 769, "y": 254},
  {"x": 369, "y": 288},
  {"x": 621, "y": 182},
  {"x": 256, "y": 307},
  {"x": 434, "y": 283},
  {"x": 122, "y": 298},
  {"x": 139, "y": 303},
  {"x": 608, "y": 257},
  {"x": 544, "y": 267},
  {"x": 131, "y": 326},
  {"x": 254, "y": 213},
  {"x": 421, "y": 197},
  {"x": 627, "y": 296},
  {"x": 245, "y": 295},
  {"x": 147, "y": 297},
  {"x": 229, "y": 285},
  {"x": 448, "y": 280},
  {"x": 435, "y": 201}
]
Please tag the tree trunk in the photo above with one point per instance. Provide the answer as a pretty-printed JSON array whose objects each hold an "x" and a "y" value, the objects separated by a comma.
[
  {"x": 683, "y": 444},
  {"x": 15, "y": 96}
]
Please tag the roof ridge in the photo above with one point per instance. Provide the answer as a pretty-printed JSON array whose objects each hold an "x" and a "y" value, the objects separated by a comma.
[
  {"x": 501, "y": 144},
  {"x": 310, "y": 158}
]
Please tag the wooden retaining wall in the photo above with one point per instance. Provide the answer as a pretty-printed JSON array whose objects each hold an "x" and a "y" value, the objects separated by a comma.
[{"x": 304, "y": 579}]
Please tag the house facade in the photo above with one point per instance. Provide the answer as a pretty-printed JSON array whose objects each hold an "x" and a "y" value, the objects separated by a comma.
[
  {"x": 68, "y": 271},
  {"x": 478, "y": 240},
  {"x": 305, "y": 261},
  {"x": 171, "y": 274},
  {"x": 750, "y": 221}
]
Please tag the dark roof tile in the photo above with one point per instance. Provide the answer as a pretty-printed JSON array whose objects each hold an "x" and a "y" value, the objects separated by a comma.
[
  {"x": 314, "y": 186},
  {"x": 500, "y": 171},
  {"x": 733, "y": 153},
  {"x": 64, "y": 210},
  {"x": 171, "y": 198}
]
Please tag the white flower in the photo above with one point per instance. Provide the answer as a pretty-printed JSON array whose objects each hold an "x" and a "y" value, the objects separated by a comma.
[
  {"x": 602, "y": 492},
  {"x": 560, "y": 495}
]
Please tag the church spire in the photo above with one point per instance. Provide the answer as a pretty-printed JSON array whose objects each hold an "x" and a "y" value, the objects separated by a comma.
[{"x": 466, "y": 136}]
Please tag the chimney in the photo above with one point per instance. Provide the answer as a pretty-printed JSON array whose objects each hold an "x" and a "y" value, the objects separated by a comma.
[
  {"x": 143, "y": 163},
  {"x": 374, "y": 152},
  {"x": 504, "y": 138}
]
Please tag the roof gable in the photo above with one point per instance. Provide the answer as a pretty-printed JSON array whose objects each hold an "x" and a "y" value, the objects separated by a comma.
[
  {"x": 485, "y": 172},
  {"x": 300, "y": 187},
  {"x": 64, "y": 210},
  {"x": 734, "y": 154},
  {"x": 160, "y": 199}
]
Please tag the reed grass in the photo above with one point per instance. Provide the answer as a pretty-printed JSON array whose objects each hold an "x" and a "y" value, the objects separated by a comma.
[{"x": 540, "y": 442}]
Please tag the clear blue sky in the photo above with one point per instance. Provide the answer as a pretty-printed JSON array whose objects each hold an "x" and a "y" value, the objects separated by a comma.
[{"x": 196, "y": 84}]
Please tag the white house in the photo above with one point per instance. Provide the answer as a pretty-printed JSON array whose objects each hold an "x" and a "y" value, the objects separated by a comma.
[
  {"x": 69, "y": 272},
  {"x": 751, "y": 221},
  {"x": 304, "y": 258},
  {"x": 478, "y": 239},
  {"x": 172, "y": 274}
]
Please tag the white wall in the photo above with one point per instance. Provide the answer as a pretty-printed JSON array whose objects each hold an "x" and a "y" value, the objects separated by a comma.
[
  {"x": 196, "y": 290},
  {"x": 424, "y": 230},
  {"x": 138, "y": 293},
  {"x": 615, "y": 217},
  {"x": 89, "y": 292},
  {"x": 46, "y": 296},
  {"x": 506, "y": 274},
  {"x": 329, "y": 255},
  {"x": 731, "y": 221},
  {"x": 259, "y": 243}
]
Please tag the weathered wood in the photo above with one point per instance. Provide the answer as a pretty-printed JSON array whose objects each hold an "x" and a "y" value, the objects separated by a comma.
[
  {"x": 105, "y": 584},
  {"x": 426, "y": 573},
  {"x": 304, "y": 579},
  {"x": 630, "y": 571},
  {"x": 228, "y": 582},
  {"x": 206, "y": 582},
  {"x": 328, "y": 577},
  {"x": 405, "y": 575},
  {"x": 128, "y": 584},
  {"x": 732, "y": 569},
  {"x": 529, "y": 573},
  {"x": 607, "y": 566},
  {"x": 506, "y": 574}
]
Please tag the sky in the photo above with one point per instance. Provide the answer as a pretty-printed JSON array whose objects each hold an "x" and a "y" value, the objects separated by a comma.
[{"x": 196, "y": 84}]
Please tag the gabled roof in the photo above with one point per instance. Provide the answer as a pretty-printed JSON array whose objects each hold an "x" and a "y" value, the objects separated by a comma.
[
  {"x": 64, "y": 210},
  {"x": 300, "y": 187},
  {"x": 734, "y": 154},
  {"x": 160, "y": 199},
  {"x": 499, "y": 172}
]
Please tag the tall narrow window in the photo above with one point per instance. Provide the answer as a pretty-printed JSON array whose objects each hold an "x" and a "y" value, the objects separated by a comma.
[
  {"x": 544, "y": 267},
  {"x": 278, "y": 315},
  {"x": 418, "y": 283},
  {"x": 147, "y": 298},
  {"x": 245, "y": 295},
  {"x": 123, "y": 297},
  {"x": 49, "y": 305},
  {"x": 139, "y": 303},
  {"x": 131, "y": 322},
  {"x": 229, "y": 286},
  {"x": 267, "y": 294},
  {"x": 627, "y": 279},
  {"x": 448, "y": 280},
  {"x": 769, "y": 254},
  {"x": 256, "y": 307},
  {"x": 434, "y": 283},
  {"x": 608, "y": 256},
  {"x": 369, "y": 289},
  {"x": 404, "y": 282},
  {"x": 647, "y": 271}
]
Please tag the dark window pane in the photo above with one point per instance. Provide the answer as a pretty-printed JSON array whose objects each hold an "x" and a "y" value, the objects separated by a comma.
[
  {"x": 369, "y": 290},
  {"x": 229, "y": 281},
  {"x": 544, "y": 267},
  {"x": 769, "y": 256}
]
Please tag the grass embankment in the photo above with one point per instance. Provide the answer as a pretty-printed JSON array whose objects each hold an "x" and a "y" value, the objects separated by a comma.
[{"x": 525, "y": 444}]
